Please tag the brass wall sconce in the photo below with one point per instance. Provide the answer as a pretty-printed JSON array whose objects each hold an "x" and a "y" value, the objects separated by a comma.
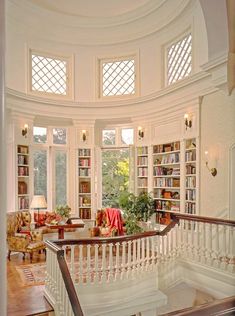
[
  {"x": 84, "y": 135},
  {"x": 187, "y": 121},
  {"x": 25, "y": 130},
  {"x": 213, "y": 171},
  {"x": 140, "y": 132}
]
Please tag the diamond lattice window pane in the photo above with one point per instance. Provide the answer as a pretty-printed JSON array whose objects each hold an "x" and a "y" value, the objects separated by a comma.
[
  {"x": 179, "y": 59},
  {"x": 118, "y": 78},
  {"x": 49, "y": 75}
]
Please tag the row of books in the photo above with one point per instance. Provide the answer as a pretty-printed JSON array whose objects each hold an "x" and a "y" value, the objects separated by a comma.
[
  {"x": 84, "y": 152},
  {"x": 22, "y": 149},
  {"x": 166, "y": 182},
  {"x": 23, "y": 203},
  {"x": 190, "y": 182},
  {"x": 190, "y": 195},
  {"x": 190, "y": 208},
  {"x": 84, "y": 162},
  {"x": 167, "y": 206},
  {"x": 23, "y": 171},
  {"x": 84, "y": 172},
  {"x": 190, "y": 169},
  {"x": 162, "y": 171},
  {"x": 190, "y": 155},
  {"x": 165, "y": 194},
  {"x": 85, "y": 213},
  {"x": 142, "y": 172},
  {"x": 84, "y": 187},
  {"x": 166, "y": 147},
  {"x": 167, "y": 159},
  {"x": 142, "y": 161}
]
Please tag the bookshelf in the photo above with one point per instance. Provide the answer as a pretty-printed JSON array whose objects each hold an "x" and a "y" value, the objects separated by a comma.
[
  {"x": 84, "y": 183},
  {"x": 22, "y": 177},
  {"x": 142, "y": 169},
  {"x": 166, "y": 176},
  {"x": 190, "y": 176}
]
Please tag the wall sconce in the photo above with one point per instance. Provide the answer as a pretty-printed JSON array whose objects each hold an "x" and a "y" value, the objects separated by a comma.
[
  {"x": 213, "y": 171},
  {"x": 140, "y": 132},
  {"x": 25, "y": 130},
  {"x": 84, "y": 135},
  {"x": 187, "y": 121}
]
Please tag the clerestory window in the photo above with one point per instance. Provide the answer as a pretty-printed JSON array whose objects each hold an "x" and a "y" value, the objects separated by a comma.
[{"x": 179, "y": 59}]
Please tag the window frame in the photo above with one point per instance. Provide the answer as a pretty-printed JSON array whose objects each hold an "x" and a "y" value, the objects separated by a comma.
[
  {"x": 69, "y": 59},
  {"x": 51, "y": 150},
  {"x": 118, "y": 136},
  {"x": 102, "y": 60},
  {"x": 165, "y": 54}
]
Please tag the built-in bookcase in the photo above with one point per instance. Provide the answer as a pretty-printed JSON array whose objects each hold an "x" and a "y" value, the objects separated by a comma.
[
  {"x": 142, "y": 169},
  {"x": 166, "y": 176},
  {"x": 22, "y": 177},
  {"x": 84, "y": 183},
  {"x": 190, "y": 176}
]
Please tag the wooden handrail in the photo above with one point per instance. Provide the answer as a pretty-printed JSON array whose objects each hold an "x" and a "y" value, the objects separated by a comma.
[
  {"x": 73, "y": 297},
  {"x": 197, "y": 218}
]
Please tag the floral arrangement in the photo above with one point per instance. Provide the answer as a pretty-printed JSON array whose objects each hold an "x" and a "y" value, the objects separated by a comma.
[{"x": 63, "y": 210}]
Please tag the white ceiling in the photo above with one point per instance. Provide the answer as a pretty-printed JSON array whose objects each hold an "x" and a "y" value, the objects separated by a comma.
[{"x": 93, "y": 8}]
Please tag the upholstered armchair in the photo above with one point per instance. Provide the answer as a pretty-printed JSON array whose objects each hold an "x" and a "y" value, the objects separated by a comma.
[
  {"x": 20, "y": 238},
  {"x": 109, "y": 222}
]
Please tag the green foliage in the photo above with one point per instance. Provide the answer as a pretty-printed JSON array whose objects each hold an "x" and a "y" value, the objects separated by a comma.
[
  {"x": 115, "y": 175},
  {"x": 132, "y": 226},
  {"x": 63, "y": 210},
  {"x": 141, "y": 206}
]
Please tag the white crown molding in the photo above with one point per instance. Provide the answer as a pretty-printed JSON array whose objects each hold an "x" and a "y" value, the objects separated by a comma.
[{"x": 167, "y": 103}]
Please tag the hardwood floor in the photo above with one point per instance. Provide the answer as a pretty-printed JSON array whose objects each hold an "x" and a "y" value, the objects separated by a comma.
[{"x": 24, "y": 300}]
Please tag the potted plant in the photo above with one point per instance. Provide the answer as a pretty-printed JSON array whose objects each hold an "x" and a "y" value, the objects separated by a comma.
[
  {"x": 137, "y": 209},
  {"x": 64, "y": 211}
]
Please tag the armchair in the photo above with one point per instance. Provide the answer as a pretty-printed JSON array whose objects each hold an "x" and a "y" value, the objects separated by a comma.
[
  {"x": 109, "y": 223},
  {"x": 20, "y": 238}
]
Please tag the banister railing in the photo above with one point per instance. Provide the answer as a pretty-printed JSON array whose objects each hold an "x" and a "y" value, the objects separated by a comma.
[
  {"x": 69, "y": 285},
  {"x": 207, "y": 241}
]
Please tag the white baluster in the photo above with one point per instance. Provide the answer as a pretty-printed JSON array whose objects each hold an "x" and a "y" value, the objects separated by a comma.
[
  {"x": 123, "y": 260},
  {"x": 103, "y": 264},
  {"x": 142, "y": 254},
  {"x": 216, "y": 262},
  {"x": 134, "y": 259},
  {"x": 147, "y": 254},
  {"x": 153, "y": 241},
  {"x": 138, "y": 256},
  {"x": 72, "y": 269},
  {"x": 110, "y": 268},
  {"x": 88, "y": 267},
  {"x": 96, "y": 267},
  {"x": 129, "y": 259},
  {"x": 117, "y": 268},
  {"x": 223, "y": 251},
  {"x": 192, "y": 239},
  {"x": 231, "y": 263},
  {"x": 209, "y": 245},
  {"x": 81, "y": 264}
]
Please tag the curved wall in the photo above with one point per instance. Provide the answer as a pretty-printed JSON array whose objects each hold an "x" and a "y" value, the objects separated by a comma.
[{"x": 25, "y": 31}]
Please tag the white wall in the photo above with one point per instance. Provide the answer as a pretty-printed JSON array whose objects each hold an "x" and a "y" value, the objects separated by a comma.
[{"x": 217, "y": 136}]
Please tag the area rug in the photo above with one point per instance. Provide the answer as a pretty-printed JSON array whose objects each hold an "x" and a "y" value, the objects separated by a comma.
[{"x": 32, "y": 274}]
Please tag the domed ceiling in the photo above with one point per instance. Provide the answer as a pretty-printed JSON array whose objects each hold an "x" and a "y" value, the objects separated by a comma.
[
  {"x": 93, "y": 8},
  {"x": 97, "y": 22}
]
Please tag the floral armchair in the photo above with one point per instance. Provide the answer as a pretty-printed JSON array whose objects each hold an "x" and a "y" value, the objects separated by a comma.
[{"x": 20, "y": 238}]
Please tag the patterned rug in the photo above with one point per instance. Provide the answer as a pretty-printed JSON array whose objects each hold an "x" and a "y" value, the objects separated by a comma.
[{"x": 32, "y": 274}]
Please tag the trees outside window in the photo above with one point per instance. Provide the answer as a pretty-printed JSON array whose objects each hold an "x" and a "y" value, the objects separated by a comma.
[{"x": 115, "y": 175}]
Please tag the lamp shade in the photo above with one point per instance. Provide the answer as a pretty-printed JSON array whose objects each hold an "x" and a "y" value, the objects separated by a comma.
[{"x": 38, "y": 202}]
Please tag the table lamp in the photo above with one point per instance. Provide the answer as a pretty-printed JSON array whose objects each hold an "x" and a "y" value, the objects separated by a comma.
[{"x": 38, "y": 203}]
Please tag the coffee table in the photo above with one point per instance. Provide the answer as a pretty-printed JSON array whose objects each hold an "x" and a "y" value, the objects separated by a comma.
[{"x": 62, "y": 227}]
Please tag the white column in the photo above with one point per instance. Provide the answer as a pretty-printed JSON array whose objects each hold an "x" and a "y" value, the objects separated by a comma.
[{"x": 3, "y": 289}]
